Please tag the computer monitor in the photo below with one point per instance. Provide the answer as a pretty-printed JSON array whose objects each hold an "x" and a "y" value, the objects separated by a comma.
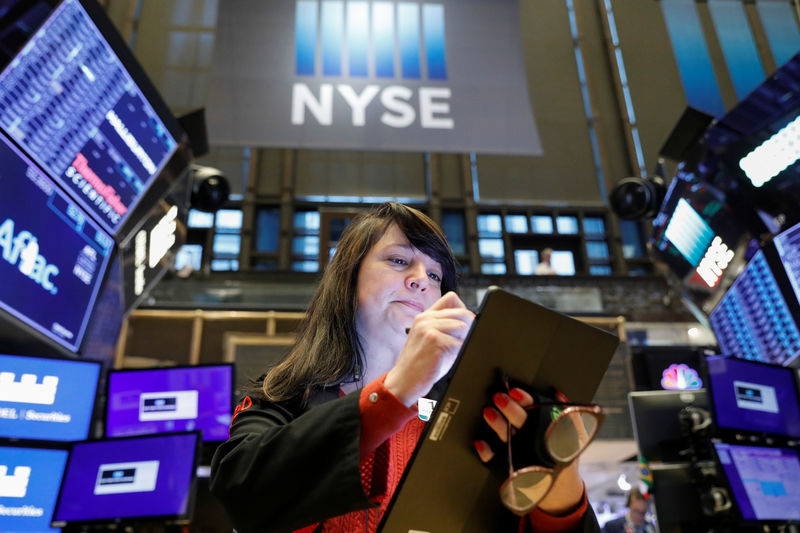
[
  {"x": 74, "y": 101},
  {"x": 29, "y": 482},
  {"x": 161, "y": 400},
  {"x": 787, "y": 244},
  {"x": 677, "y": 502},
  {"x": 753, "y": 319},
  {"x": 754, "y": 397},
  {"x": 656, "y": 423},
  {"x": 129, "y": 480},
  {"x": 53, "y": 257},
  {"x": 46, "y": 399},
  {"x": 764, "y": 481}
]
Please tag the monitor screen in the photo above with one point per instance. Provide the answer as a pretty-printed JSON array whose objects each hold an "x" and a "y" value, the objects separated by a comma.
[
  {"x": 53, "y": 255},
  {"x": 753, "y": 320},
  {"x": 754, "y": 397},
  {"x": 161, "y": 400},
  {"x": 677, "y": 501},
  {"x": 71, "y": 104},
  {"x": 656, "y": 424},
  {"x": 29, "y": 482},
  {"x": 764, "y": 481},
  {"x": 129, "y": 479},
  {"x": 787, "y": 243},
  {"x": 46, "y": 399}
]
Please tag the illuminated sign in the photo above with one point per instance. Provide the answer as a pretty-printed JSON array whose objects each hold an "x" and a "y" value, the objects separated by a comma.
[
  {"x": 772, "y": 156},
  {"x": 680, "y": 377},
  {"x": 372, "y": 75},
  {"x": 714, "y": 262}
]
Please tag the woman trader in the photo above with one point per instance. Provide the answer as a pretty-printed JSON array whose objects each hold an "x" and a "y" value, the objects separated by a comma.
[{"x": 321, "y": 443}]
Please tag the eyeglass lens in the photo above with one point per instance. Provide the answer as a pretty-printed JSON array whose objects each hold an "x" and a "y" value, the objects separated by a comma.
[{"x": 570, "y": 433}]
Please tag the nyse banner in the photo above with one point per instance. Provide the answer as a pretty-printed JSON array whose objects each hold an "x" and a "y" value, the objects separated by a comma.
[{"x": 444, "y": 76}]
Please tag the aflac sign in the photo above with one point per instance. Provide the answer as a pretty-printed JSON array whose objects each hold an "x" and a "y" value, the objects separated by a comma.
[{"x": 343, "y": 30}]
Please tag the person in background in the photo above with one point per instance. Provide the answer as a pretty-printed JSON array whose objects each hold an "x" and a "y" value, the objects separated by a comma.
[
  {"x": 634, "y": 519},
  {"x": 320, "y": 442},
  {"x": 544, "y": 267}
]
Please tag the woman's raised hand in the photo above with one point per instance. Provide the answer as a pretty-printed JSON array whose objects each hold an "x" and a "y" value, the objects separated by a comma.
[{"x": 433, "y": 343}]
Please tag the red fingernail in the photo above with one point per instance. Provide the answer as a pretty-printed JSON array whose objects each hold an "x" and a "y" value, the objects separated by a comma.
[
  {"x": 561, "y": 397},
  {"x": 478, "y": 445},
  {"x": 489, "y": 414},
  {"x": 500, "y": 399},
  {"x": 516, "y": 395}
]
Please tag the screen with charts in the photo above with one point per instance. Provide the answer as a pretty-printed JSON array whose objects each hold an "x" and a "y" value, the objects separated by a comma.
[
  {"x": 753, "y": 320},
  {"x": 53, "y": 257},
  {"x": 754, "y": 397},
  {"x": 160, "y": 400},
  {"x": 67, "y": 99},
  {"x": 765, "y": 481},
  {"x": 29, "y": 482},
  {"x": 46, "y": 399},
  {"x": 129, "y": 478}
]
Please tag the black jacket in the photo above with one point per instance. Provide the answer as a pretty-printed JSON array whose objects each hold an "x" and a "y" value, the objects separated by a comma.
[{"x": 287, "y": 466}]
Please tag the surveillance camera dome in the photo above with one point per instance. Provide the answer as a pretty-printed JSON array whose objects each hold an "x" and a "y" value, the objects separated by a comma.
[
  {"x": 635, "y": 198},
  {"x": 210, "y": 188}
]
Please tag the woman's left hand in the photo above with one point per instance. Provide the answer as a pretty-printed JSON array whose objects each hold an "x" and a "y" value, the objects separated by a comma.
[{"x": 567, "y": 491}]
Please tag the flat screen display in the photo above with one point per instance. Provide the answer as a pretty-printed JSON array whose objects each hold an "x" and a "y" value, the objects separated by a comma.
[
  {"x": 753, "y": 320},
  {"x": 765, "y": 481},
  {"x": 46, "y": 399},
  {"x": 129, "y": 479},
  {"x": 67, "y": 99},
  {"x": 787, "y": 243},
  {"x": 656, "y": 422},
  {"x": 164, "y": 400},
  {"x": 52, "y": 255},
  {"x": 754, "y": 397},
  {"x": 29, "y": 482}
]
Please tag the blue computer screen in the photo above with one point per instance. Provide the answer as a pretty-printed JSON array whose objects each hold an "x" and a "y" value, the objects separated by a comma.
[
  {"x": 765, "y": 481},
  {"x": 128, "y": 478},
  {"x": 787, "y": 243},
  {"x": 46, "y": 399},
  {"x": 754, "y": 397},
  {"x": 53, "y": 257},
  {"x": 29, "y": 482},
  {"x": 752, "y": 320},
  {"x": 69, "y": 102}
]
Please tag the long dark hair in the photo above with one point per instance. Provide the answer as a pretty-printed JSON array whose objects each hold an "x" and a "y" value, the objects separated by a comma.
[{"x": 327, "y": 350}]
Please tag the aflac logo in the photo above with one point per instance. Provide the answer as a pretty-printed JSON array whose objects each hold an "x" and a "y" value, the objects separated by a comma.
[
  {"x": 27, "y": 390},
  {"x": 24, "y": 248},
  {"x": 680, "y": 377},
  {"x": 16, "y": 485},
  {"x": 345, "y": 31}
]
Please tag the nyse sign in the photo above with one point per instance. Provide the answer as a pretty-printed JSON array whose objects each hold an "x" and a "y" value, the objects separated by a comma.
[
  {"x": 717, "y": 258},
  {"x": 375, "y": 75}
]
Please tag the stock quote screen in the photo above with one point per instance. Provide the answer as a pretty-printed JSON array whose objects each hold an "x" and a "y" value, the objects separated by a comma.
[
  {"x": 53, "y": 257},
  {"x": 753, "y": 320},
  {"x": 67, "y": 99}
]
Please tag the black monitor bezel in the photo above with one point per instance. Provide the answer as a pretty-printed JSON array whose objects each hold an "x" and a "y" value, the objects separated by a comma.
[
  {"x": 55, "y": 442},
  {"x": 734, "y": 433},
  {"x": 230, "y": 365},
  {"x": 183, "y": 518},
  {"x": 722, "y": 475}
]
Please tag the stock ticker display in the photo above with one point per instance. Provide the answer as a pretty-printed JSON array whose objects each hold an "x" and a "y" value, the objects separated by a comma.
[
  {"x": 69, "y": 102},
  {"x": 52, "y": 255},
  {"x": 752, "y": 320}
]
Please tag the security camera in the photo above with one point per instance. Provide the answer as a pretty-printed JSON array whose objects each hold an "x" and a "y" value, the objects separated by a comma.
[
  {"x": 635, "y": 198},
  {"x": 210, "y": 188}
]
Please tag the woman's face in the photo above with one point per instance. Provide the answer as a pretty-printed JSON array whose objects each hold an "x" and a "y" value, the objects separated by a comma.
[{"x": 396, "y": 282}]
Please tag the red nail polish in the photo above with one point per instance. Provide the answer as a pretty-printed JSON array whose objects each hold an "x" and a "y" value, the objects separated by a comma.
[
  {"x": 516, "y": 395},
  {"x": 500, "y": 399},
  {"x": 561, "y": 397},
  {"x": 478, "y": 445},
  {"x": 489, "y": 414}
]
